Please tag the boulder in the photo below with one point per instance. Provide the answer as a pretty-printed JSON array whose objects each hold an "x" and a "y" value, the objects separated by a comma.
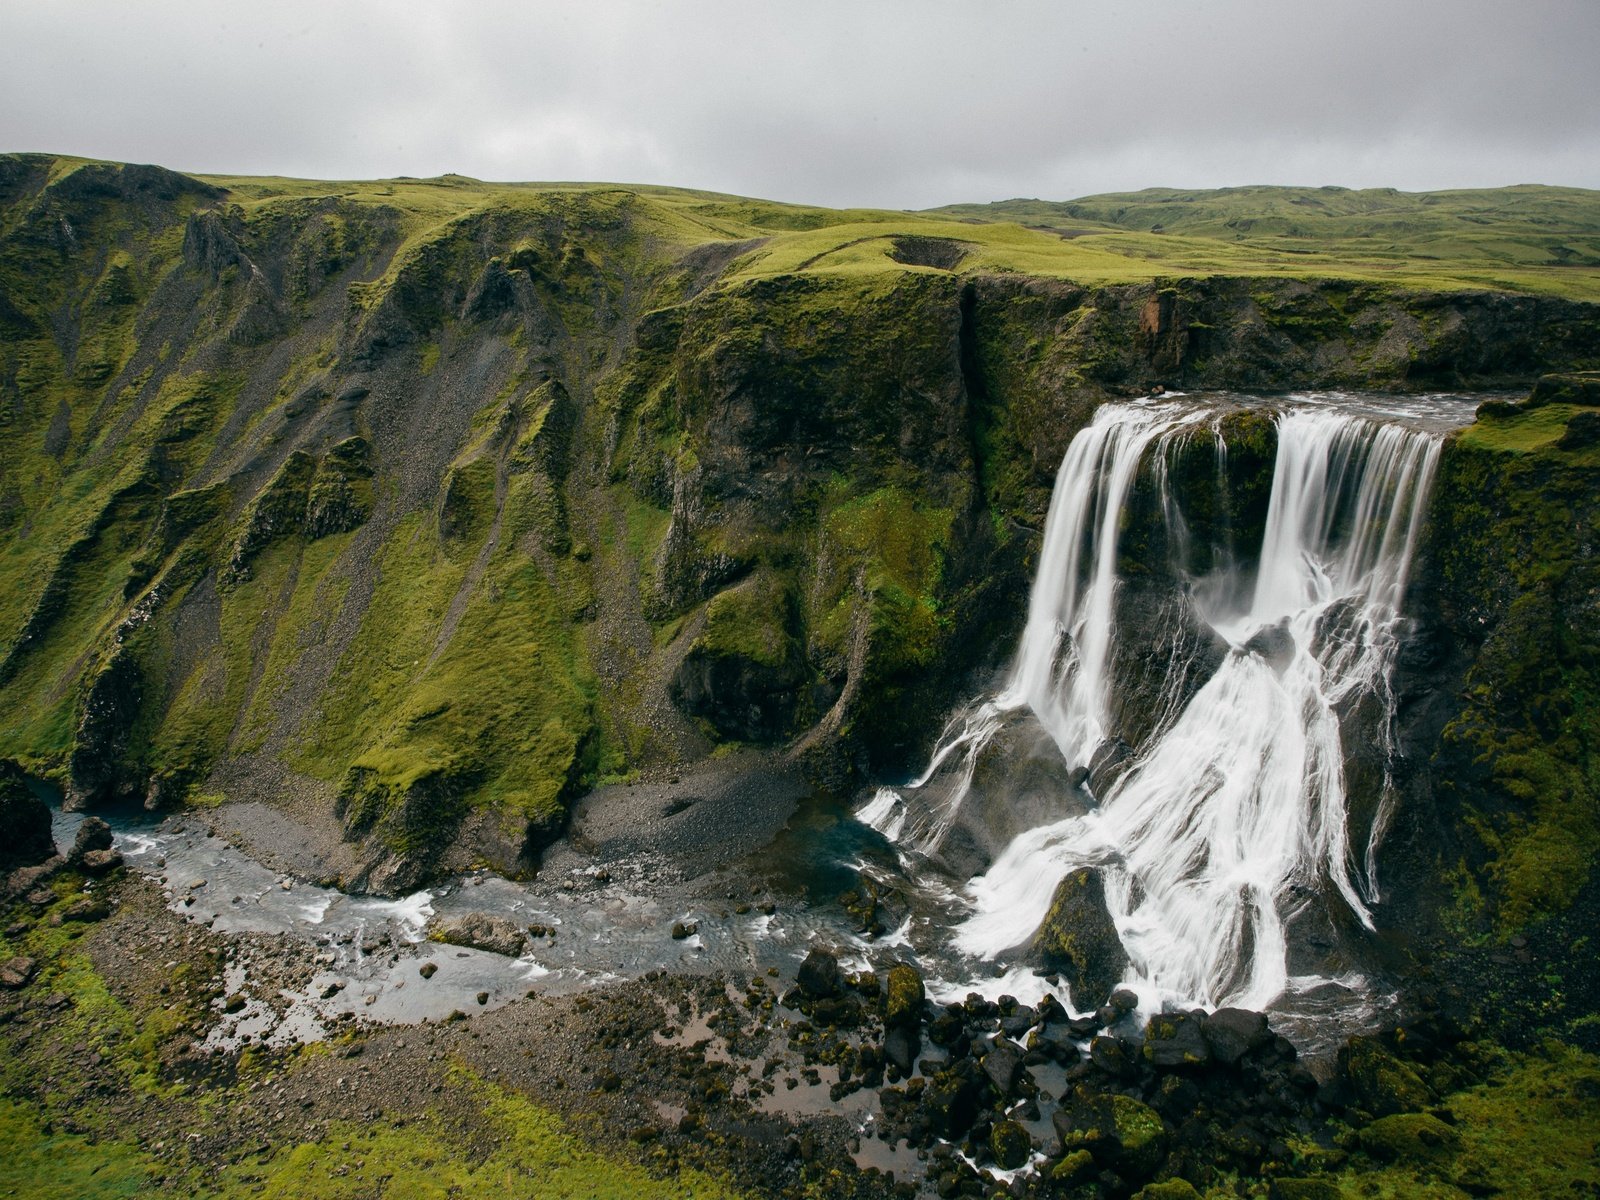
[
  {"x": 1411, "y": 1138},
  {"x": 1119, "y": 1131},
  {"x": 94, "y": 834},
  {"x": 16, "y": 972},
  {"x": 479, "y": 931},
  {"x": 1078, "y": 940},
  {"x": 1231, "y": 1033},
  {"x": 24, "y": 822},
  {"x": 1175, "y": 1040},
  {"x": 901, "y": 1046},
  {"x": 1004, "y": 1066},
  {"x": 819, "y": 976},
  {"x": 1383, "y": 1085},
  {"x": 100, "y": 862},
  {"x": 1008, "y": 1142},
  {"x": 904, "y": 997},
  {"x": 950, "y": 1099}
]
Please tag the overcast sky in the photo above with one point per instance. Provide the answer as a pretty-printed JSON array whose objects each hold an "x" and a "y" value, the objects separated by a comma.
[{"x": 900, "y": 104}]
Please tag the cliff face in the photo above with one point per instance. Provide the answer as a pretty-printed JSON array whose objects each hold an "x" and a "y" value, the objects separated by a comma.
[{"x": 433, "y": 507}]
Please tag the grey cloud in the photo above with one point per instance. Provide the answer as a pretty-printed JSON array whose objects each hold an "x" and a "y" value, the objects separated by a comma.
[{"x": 894, "y": 104}]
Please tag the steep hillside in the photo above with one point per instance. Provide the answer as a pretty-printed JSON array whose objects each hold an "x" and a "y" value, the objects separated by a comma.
[{"x": 431, "y": 503}]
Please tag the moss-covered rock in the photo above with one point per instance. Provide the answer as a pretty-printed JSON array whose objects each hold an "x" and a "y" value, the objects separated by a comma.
[
  {"x": 903, "y": 997},
  {"x": 1009, "y": 1143},
  {"x": 1409, "y": 1138},
  {"x": 1383, "y": 1083},
  {"x": 1079, "y": 940}
]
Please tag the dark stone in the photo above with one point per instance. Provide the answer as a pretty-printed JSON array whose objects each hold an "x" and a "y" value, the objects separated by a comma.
[
  {"x": 901, "y": 1046},
  {"x": 684, "y": 929},
  {"x": 1008, "y": 1142},
  {"x": 1078, "y": 939},
  {"x": 427, "y": 970},
  {"x": 950, "y": 1100},
  {"x": 1175, "y": 1040},
  {"x": 1111, "y": 1055},
  {"x": 1234, "y": 1032},
  {"x": 93, "y": 834},
  {"x": 1004, "y": 1066},
  {"x": 819, "y": 976},
  {"x": 24, "y": 822}
]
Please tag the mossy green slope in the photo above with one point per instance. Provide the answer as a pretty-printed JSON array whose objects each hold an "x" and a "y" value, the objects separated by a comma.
[{"x": 422, "y": 500}]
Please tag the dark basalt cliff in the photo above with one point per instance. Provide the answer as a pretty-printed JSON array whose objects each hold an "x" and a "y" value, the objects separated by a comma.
[{"x": 432, "y": 513}]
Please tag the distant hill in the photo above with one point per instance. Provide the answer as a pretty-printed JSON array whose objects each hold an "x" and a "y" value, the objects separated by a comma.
[{"x": 1528, "y": 226}]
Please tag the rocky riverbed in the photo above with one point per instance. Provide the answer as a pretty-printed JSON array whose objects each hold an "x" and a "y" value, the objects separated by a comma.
[{"x": 126, "y": 1024}]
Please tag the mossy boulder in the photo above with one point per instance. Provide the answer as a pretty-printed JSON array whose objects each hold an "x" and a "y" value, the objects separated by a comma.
[
  {"x": 1075, "y": 1167},
  {"x": 1079, "y": 940},
  {"x": 1410, "y": 1138},
  {"x": 1168, "y": 1189},
  {"x": 904, "y": 996},
  {"x": 1383, "y": 1084},
  {"x": 1176, "y": 1040},
  {"x": 1009, "y": 1143},
  {"x": 1120, "y": 1131}
]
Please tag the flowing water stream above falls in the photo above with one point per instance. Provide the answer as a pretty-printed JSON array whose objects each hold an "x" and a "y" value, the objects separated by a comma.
[{"x": 1179, "y": 717}]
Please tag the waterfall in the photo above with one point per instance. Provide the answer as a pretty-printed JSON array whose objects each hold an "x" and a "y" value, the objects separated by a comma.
[{"x": 1235, "y": 807}]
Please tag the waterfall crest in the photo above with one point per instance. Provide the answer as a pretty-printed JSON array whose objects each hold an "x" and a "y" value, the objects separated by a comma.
[{"x": 1234, "y": 809}]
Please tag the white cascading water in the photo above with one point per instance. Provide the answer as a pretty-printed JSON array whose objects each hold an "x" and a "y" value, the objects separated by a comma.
[{"x": 1238, "y": 798}]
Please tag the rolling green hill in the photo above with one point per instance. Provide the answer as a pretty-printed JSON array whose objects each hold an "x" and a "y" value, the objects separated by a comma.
[{"x": 1519, "y": 238}]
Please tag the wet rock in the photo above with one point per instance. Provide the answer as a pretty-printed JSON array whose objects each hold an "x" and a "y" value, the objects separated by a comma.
[
  {"x": 904, "y": 997},
  {"x": 1123, "y": 1001},
  {"x": 1383, "y": 1085},
  {"x": 819, "y": 976},
  {"x": 1079, "y": 941},
  {"x": 1274, "y": 643},
  {"x": 24, "y": 822},
  {"x": 950, "y": 1100},
  {"x": 479, "y": 931},
  {"x": 427, "y": 970},
  {"x": 1175, "y": 1040},
  {"x": 1231, "y": 1033},
  {"x": 682, "y": 930},
  {"x": 1111, "y": 1055},
  {"x": 1004, "y": 1066},
  {"x": 901, "y": 1046},
  {"x": 94, "y": 834},
  {"x": 17, "y": 972},
  {"x": 1008, "y": 1142}
]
